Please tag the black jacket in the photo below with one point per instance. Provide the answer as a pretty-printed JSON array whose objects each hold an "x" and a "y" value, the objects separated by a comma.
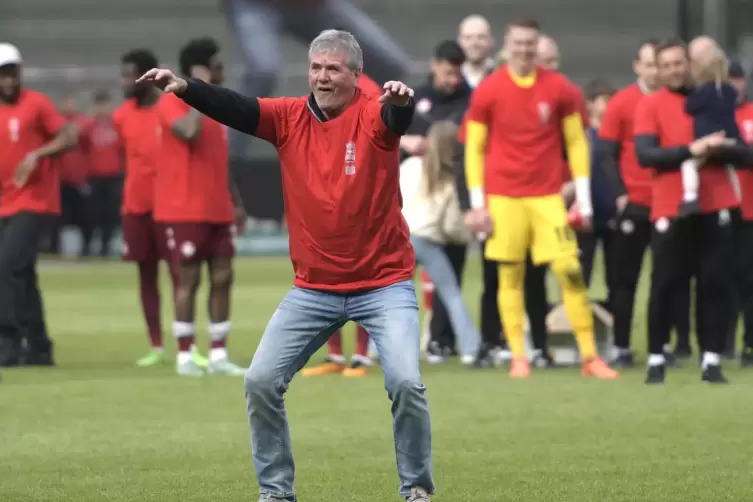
[{"x": 432, "y": 106}]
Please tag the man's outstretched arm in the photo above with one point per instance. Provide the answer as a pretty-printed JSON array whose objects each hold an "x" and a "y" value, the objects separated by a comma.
[{"x": 223, "y": 105}]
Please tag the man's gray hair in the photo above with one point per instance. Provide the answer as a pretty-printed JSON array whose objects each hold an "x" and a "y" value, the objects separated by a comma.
[{"x": 339, "y": 41}]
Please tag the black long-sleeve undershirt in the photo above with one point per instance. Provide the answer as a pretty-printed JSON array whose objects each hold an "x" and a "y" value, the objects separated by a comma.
[
  {"x": 651, "y": 155},
  {"x": 607, "y": 156},
  {"x": 223, "y": 105},
  {"x": 242, "y": 113}
]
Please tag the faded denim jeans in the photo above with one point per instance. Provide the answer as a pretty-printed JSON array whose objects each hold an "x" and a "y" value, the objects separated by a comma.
[{"x": 302, "y": 324}]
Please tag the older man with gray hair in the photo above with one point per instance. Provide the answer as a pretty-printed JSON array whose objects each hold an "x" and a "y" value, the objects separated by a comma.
[{"x": 349, "y": 245}]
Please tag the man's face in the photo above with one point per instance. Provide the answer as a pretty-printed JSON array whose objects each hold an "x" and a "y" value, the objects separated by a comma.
[
  {"x": 701, "y": 45},
  {"x": 673, "y": 67},
  {"x": 331, "y": 80},
  {"x": 521, "y": 45},
  {"x": 217, "y": 70},
  {"x": 476, "y": 42},
  {"x": 548, "y": 54},
  {"x": 10, "y": 82},
  {"x": 446, "y": 76},
  {"x": 596, "y": 110},
  {"x": 739, "y": 85},
  {"x": 645, "y": 66},
  {"x": 128, "y": 75}
]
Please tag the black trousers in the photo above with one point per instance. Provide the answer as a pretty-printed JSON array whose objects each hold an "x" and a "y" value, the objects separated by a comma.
[
  {"x": 587, "y": 244},
  {"x": 699, "y": 246},
  {"x": 74, "y": 202},
  {"x": 22, "y": 313},
  {"x": 439, "y": 326},
  {"x": 491, "y": 324},
  {"x": 744, "y": 248},
  {"x": 630, "y": 240},
  {"x": 104, "y": 211}
]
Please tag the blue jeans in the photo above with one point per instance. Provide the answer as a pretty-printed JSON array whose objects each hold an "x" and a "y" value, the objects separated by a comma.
[
  {"x": 302, "y": 324},
  {"x": 432, "y": 257}
]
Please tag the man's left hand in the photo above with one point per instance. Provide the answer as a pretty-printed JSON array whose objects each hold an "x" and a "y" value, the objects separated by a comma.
[
  {"x": 25, "y": 170},
  {"x": 241, "y": 218},
  {"x": 396, "y": 93}
]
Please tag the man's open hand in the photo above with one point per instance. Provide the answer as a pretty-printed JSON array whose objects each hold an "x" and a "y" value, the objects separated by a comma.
[
  {"x": 164, "y": 80},
  {"x": 396, "y": 93}
]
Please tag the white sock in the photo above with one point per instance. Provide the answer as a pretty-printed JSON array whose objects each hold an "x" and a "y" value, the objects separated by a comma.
[
  {"x": 710, "y": 359},
  {"x": 336, "y": 358},
  {"x": 218, "y": 354},
  {"x": 365, "y": 360},
  {"x": 184, "y": 357},
  {"x": 181, "y": 329},
  {"x": 690, "y": 180},
  {"x": 656, "y": 360}
]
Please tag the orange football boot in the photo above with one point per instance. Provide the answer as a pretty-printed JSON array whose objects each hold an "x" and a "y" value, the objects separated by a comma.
[
  {"x": 329, "y": 367},
  {"x": 597, "y": 368},
  {"x": 520, "y": 368}
]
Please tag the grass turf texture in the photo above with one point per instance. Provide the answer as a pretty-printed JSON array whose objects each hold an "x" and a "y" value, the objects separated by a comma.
[{"x": 98, "y": 428}]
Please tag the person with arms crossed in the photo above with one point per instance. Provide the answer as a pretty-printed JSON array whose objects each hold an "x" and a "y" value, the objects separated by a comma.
[
  {"x": 349, "y": 245},
  {"x": 197, "y": 206},
  {"x": 700, "y": 245},
  {"x": 138, "y": 126},
  {"x": 516, "y": 124},
  {"x": 32, "y": 133}
]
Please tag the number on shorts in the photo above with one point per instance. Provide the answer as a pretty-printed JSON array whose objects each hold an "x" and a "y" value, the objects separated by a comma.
[{"x": 565, "y": 234}]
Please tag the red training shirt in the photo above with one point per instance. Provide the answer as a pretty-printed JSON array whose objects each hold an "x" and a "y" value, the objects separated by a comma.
[
  {"x": 524, "y": 148},
  {"x": 745, "y": 123},
  {"x": 662, "y": 114},
  {"x": 74, "y": 164},
  {"x": 369, "y": 87},
  {"x": 192, "y": 180},
  {"x": 140, "y": 134},
  {"x": 102, "y": 147},
  {"x": 26, "y": 125},
  {"x": 342, "y": 194},
  {"x": 617, "y": 125}
]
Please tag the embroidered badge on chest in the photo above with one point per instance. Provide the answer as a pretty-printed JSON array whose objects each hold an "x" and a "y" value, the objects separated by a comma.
[
  {"x": 544, "y": 113},
  {"x": 350, "y": 158}
]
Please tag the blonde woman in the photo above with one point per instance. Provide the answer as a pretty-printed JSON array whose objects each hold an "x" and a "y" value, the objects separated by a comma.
[{"x": 431, "y": 208}]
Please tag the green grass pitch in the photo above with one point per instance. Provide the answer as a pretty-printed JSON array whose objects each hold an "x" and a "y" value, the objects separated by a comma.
[{"x": 98, "y": 429}]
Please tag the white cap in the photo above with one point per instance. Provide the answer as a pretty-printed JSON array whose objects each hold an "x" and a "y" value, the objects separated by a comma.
[{"x": 9, "y": 54}]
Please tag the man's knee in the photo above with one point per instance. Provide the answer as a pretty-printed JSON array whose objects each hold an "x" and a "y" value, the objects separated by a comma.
[
  {"x": 221, "y": 277},
  {"x": 259, "y": 381},
  {"x": 404, "y": 387},
  {"x": 568, "y": 271}
]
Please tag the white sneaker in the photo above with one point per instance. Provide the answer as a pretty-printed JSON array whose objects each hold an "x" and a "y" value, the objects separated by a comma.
[
  {"x": 225, "y": 367},
  {"x": 189, "y": 368},
  {"x": 467, "y": 359},
  {"x": 417, "y": 495},
  {"x": 501, "y": 356}
]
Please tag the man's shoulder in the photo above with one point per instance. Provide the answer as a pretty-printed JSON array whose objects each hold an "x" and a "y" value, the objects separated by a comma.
[{"x": 35, "y": 100}]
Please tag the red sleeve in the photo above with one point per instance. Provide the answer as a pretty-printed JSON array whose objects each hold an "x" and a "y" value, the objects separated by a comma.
[
  {"x": 571, "y": 101},
  {"x": 49, "y": 118},
  {"x": 273, "y": 119},
  {"x": 611, "y": 121},
  {"x": 171, "y": 109},
  {"x": 645, "y": 123},
  {"x": 480, "y": 108},
  {"x": 461, "y": 130},
  {"x": 378, "y": 130}
]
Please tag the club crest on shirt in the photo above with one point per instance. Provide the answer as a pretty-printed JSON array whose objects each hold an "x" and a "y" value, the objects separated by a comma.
[
  {"x": 350, "y": 158},
  {"x": 544, "y": 112},
  {"x": 188, "y": 249},
  {"x": 748, "y": 130},
  {"x": 423, "y": 106},
  {"x": 13, "y": 128}
]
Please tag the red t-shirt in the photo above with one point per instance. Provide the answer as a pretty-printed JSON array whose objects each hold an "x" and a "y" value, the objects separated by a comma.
[
  {"x": 192, "y": 180},
  {"x": 102, "y": 147},
  {"x": 342, "y": 194},
  {"x": 369, "y": 87},
  {"x": 25, "y": 126},
  {"x": 745, "y": 123},
  {"x": 617, "y": 125},
  {"x": 524, "y": 148},
  {"x": 662, "y": 114},
  {"x": 74, "y": 164},
  {"x": 140, "y": 134}
]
